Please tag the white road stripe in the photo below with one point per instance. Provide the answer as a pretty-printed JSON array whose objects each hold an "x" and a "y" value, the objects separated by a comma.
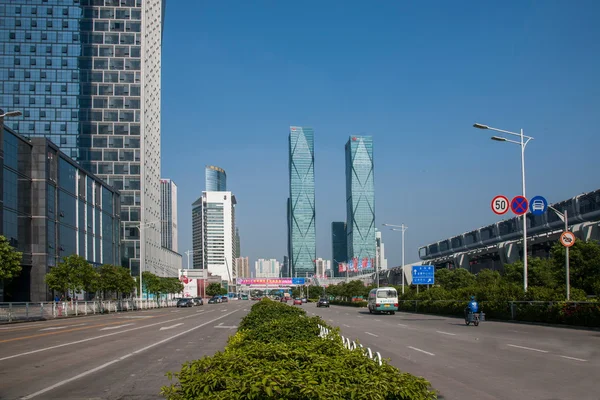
[
  {"x": 422, "y": 351},
  {"x": 446, "y": 333},
  {"x": 527, "y": 348},
  {"x": 573, "y": 358},
  {"x": 93, "y": 338},
  {"x": 372, "y": 334},
  {"x": 347, "y": 326},
  {"x": 404, "y": 325},
  {"x": 164, "y": 328},
  {"x": 100, "y": 367},
  {"x": 110, "y": 328}
]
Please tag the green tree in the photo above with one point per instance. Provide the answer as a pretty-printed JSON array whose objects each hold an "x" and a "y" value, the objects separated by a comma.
[
  {"x": 584, "y": 265},
  {"x": 213, "y": 289},
  {"x": 451, "y": 279},
  {"x": 151, "y": 283},
  {"x": 223, "y": 291},
  {"x": 10, "y": 260},
  {"x": 73, "y": 274},
  {"x": 127, "y": 283},
  {"x": 110, "y": 279}
]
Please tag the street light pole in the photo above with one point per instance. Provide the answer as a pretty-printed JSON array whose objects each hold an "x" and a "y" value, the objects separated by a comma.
[
  {"x": 564, "y": 217},
  {"x": 523, "y": 143},
  {"x": 402, "y": 229},
  {"x": 140, "y": 233}
]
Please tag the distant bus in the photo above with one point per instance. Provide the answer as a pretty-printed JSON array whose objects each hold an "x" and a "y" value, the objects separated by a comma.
[{"x": 383, "y": 299}]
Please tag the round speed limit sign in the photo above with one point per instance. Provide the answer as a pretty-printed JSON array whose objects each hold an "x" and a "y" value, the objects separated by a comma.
[{"x": 500, "y": 205}]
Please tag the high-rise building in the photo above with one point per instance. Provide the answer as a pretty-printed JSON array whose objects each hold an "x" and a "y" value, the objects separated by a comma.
[
  {"x": 301, "y": 204},
  {"x": 213, "y": 234},
  {"x": 87, "y": 75},
  {"x": 243, "y": 267},
  {"x": 168, "y": 214},
  {"x": 216, "y": 179},
  {"x": 339, "y": 246},
  {"x": 322, "y": 266},
  {"x": 360, "y": 200},
  {"x": 238, "y": 244},
  {"x": 267, "y": 268},
  {"x": 285, "y": 268},
  {"x": 380, "y": 260}
]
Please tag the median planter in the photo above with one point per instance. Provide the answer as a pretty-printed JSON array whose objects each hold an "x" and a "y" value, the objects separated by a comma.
[{"x": 277, "y": 353}]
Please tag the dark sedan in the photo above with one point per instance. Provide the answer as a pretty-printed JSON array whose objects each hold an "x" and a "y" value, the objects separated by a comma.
[
  {"x": 185, "y": 303},
  {"x": 323, "y": 303}
]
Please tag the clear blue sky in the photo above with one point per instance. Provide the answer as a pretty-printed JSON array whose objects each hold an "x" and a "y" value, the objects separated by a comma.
[{"x": 415, "y": 75}]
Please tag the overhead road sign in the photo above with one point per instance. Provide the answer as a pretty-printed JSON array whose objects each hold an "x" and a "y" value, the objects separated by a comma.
[
  {"x": 500, "y": 205},
  {"x": 567, "y": 239},
  {"x": 519, "y": 205},
  {"x": 538, "y": 205},
  {"x": 423, "y": 274}
]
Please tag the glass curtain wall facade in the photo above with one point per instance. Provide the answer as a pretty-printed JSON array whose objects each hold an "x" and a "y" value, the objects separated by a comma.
[
  {"x": 86, "y": 74},
  {"x": 339, "y": 246},
  {"x": 301, "y": 211},
  {"x": 168, "y": 214},
  {"x": 198, "y": 236},
  {"x": 216, "y": 179},
  {"x": 360, "y": 200}
]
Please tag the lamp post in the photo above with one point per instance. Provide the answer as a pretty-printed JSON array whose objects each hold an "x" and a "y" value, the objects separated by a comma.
[
  {"x": 523, "y": 143},
  {"x": 402, "y": 229},
  {"x": 139, "y": 228},
  {"x": 7, "y": 114},
  {"x": 564, "y": 218}
]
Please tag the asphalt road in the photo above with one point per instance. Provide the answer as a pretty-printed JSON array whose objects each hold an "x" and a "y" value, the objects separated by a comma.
[
  {"x": 116, "y": 356},
  {"x": 496, "y": 360}
]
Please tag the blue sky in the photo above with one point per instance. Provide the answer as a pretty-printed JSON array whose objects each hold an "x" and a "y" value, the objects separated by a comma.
[{"x": 415, "y": 75}]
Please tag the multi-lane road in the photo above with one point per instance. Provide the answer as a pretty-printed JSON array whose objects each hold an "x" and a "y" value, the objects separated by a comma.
[
  {"x": 126, "y": 355},
  {"x": 496, "y": 360},
  {"x": 117, "y": 356}
]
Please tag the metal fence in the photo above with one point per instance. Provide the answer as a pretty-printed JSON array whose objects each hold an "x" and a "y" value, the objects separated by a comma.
[
  {"x": 14, "y": 312},
  {"x": 352, "y": 345}
]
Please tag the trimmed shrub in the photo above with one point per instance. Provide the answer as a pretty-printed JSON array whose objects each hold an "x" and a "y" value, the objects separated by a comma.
[{"x": 277, "y": 354}]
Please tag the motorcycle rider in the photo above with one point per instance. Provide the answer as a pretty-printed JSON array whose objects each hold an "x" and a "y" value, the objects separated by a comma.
[{"x": 472, "y": 307}]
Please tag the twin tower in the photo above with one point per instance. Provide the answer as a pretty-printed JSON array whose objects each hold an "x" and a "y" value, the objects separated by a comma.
[{"x": 357, "y": 243}]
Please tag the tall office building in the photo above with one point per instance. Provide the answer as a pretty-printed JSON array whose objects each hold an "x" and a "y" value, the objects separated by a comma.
[
  {"x": 215, "y": 179},
  {"x": 168, "y": 214},
  {"x": 360, "y": 200},
  {"x": 380, "y": 260},
  {"x": 285, "y": 268},
  {"x": 339, "y": 246},
  {"x": 213, "y": 234},
  {"x": 87, "y": 75},
  {"x": 301, "y": 204},
  {"x": 267, "y": 268},
  {"x": 322, "y": 266},
  {"x": 238, "y": 244},
  {"x": 243, "y": 267}
]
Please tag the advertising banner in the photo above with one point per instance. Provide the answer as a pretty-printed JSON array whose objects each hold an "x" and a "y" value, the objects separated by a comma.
[
  {"x": 270, "y": 281},
  {"x": 190, "y": 286}
]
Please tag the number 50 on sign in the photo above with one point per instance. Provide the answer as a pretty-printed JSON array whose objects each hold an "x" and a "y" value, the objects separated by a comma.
[{"x": 500, "y": 205}]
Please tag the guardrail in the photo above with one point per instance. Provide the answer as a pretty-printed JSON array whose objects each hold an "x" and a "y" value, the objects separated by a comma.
[
  {"x": 352, "y": 345},
  {"x": 13, "y": 312}
]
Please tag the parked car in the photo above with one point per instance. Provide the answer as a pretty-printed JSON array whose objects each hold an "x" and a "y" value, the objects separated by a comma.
[
  {"x": 298, "y": 302},
  {"x": 214, "y": 300},
  {"x": 323, "y": 303},
  {"x": 224, "y": 299},
  {"x": 198, "y": 301},
  {"x": 304, "y": 300},
  {"x": 185, "y": 303}
]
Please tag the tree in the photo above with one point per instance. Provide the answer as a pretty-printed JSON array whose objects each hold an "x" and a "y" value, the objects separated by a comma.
[
  {"x": 213, "y": 289},
  {"x": 223, "y": 291},
  {"x": 451, "y": 279},
  {"x": 73, "y": 274},
  {"x": 127, "y": 283},
  {"x": 584, "y": 265},
  {"x": 10, "y": 260},
  {"x": 109, "y": 279}
]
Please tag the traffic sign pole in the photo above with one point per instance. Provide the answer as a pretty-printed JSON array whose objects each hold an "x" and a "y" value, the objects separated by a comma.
[{"x": 567, "y": 261}]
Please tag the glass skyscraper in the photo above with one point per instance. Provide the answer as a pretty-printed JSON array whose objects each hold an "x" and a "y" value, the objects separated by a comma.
[
  {"x": 87, "y": 75},
  {"x": 168, "y": 214},
  {"x": 339, "y": 246},
  {"x": 360, "y": 200},
  {"x": 301, "y": 204},
  {"x": 216, "y": 179}
]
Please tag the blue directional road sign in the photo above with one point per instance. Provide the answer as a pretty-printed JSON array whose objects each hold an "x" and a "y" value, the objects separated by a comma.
[
  {"x": 423, "y": 274},
  {"x": 538, "y": 205}
]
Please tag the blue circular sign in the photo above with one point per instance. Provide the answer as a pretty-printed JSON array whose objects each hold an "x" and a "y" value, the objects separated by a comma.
[{"x": 538, "y": 205}]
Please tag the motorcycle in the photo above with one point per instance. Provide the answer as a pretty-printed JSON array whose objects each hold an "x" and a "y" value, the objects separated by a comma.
[{"x": 475, "y": 318}]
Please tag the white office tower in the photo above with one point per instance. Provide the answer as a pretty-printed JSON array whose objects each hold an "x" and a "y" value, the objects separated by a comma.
[
  {"x": 267, "y": 268},
  {"x": 168, "y": 213},
  {"x": 322, "y": 266},
  {"x": 380, "y": 260},
  {"x": 213, "y": 220}
]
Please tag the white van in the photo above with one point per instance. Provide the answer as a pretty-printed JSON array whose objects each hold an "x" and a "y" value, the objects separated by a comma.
[{"x": 383, "y": 299}]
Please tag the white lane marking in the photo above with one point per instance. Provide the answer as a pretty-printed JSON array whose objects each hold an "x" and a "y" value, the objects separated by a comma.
[
  {"x": 92, "y": 338},
  {"x": 446, "y": 333},
  {"x": 164, "y": 328},
  {"x": 527, "y": 348},
  {"x": 226, "y": 326},
  {"x": 330, "y": 320},
  {"x": 221, "y": 323},
  {"x": 110, "y": 328},
  {"x": 359, "y": 316},
  {"x": 422, "y": 351},
  {"x": 573, "y": 358},
  {"x": 53, "y": 328},
  {"x": 372, "y": 334},
  {"x": 347, "y": 314},
  {"x": 404, "y": 325},
  {"x": 138, "y": 316},
  {"x": 347, "y": 326},
  {"x": 100, "y": 367},
  {"x": 378, "y": 320}
]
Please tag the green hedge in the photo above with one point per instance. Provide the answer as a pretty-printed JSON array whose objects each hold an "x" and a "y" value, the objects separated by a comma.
[{"x": 277, "y": 354}]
